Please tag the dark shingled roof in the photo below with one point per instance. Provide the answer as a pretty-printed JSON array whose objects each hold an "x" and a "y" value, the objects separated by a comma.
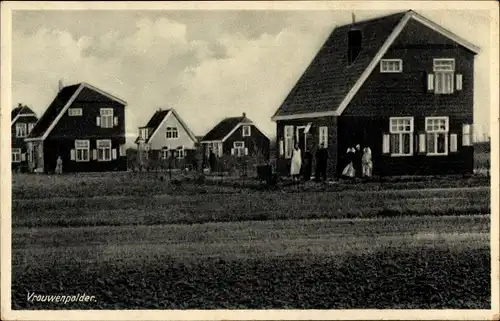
[
  {"x": 224, "y": 127},
  {"x": 20, "y": 110},
  {"x": 53, "y": 110},
  {"x": 154, "y": 122},
  {"x": 329, "y": 77}
]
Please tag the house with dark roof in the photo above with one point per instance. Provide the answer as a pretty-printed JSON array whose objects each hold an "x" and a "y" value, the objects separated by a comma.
[
  {"x": 236, "y": 136},
  {"x": 83, "y": 125},
  {"x": 399, "y": 84},
  {"x": 167, "y": 139},
  {"x": 23, "y": 119}
]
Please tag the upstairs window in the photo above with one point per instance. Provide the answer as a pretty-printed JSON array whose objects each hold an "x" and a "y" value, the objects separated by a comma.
[
  {"x": 246, "y": 131},
  {"x": 21, "y": 130},
  {"x": 106, "y": 119},
  {"x": 391, "y": 65},
  {"x": 444, "y": 71},
  {"x": 172, "y": 133},
  {"x": 143, "y": 133},
  {"x": 401, "y": 133},
  {"x": 436, "y": 129},
  {"x": 30, "y": 127},
  {"x": 75, "y": 112}
]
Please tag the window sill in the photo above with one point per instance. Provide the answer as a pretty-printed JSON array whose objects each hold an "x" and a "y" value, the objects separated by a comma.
[
  {"x": 401, "y": 155},
  {"x": 433, "y": 154},
  {"x": 82, "y": 161},
  {"x": 104, "y": 160}
]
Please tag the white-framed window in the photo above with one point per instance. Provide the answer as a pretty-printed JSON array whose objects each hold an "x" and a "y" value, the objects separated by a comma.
[
  {"x": 466, "y": 135},
  {"x": 21, "y": 130},
  {"x": 180, "y": 152},
  {"x": 30, "y": 127},
  {"x": 164, "y": 153},
  {"x": 288, "y": 141},
  {"x": 16, "y": 155},
  {"x": 104, "y": 150},
  {"x": 75, "y": 112},
  {"x": 172, "y": 133},
  {"x": 143, "y": 133},
  {"x": 436, "y": 129},
  {"x": 401, "y": 133},
  {"x": 106, "y": 118},
  {"x": 323, "y": 136},
  {"x": 391, "y": 65},
  {"x": 444, "y": 72},
  {"x": 246, "y": 131},
  {"x": 82, "y": 149},
  {"x": 239, "y": 149}
]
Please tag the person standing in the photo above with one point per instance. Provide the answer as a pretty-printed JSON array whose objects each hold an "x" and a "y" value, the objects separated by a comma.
[
  {"x": 211, "y": 161},
  {"x": 321, "y": 162},
  {"x": 59, "y": 164},
  {"x": 296, "y": 163},
  {"x": 349, "y": 171},
  {"x": 357, "y": 161},
  {"x": 367, "y": 162}
]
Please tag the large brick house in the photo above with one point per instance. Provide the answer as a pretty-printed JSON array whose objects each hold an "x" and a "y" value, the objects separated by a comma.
[
  {"x": 399, "y": 84},
  {"x": 83, "y": 125},
  {"x": 23, "y": 119}
]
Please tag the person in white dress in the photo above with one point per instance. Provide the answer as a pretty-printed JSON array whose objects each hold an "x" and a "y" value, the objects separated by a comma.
[
  {"x": 367, "y": 162},
  {"x": 349, "y": 171},
  {"x": 296, "y": 163}
]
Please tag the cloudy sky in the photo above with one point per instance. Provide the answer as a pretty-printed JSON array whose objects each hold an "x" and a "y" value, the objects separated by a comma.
[{"x": 205, "y": 64}]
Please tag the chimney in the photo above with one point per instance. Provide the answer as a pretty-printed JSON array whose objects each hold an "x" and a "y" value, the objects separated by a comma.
[
  {"x": 353, "y": 18},
  {"x": 61, "y": 85},
  {"x": 244, "y": 114}
]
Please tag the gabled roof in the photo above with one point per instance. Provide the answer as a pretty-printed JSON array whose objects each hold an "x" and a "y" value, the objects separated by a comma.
[
  {"x": 225, "y": 127},
  {"x": 21, "y": 111},
  {"x": 58, "y": 107},
  {"x": 157, "y": 120},
  {"x": 329, "y": 83}
]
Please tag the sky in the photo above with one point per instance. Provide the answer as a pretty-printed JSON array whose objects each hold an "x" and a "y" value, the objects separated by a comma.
[{"x": 206, "y": 64}]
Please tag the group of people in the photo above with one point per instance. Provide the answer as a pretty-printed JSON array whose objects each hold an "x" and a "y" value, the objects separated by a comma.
[{"x": 358, "y": 163}]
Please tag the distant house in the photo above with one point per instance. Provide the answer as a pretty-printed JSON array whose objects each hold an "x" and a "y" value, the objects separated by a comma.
[
  {"x": 167, "y": 139},
  {"x": 399, "y": 84},
  {"x": 236, "y": 136},
  {"x": 23, "y": 119},
  {"x": 83, "y": 125}
]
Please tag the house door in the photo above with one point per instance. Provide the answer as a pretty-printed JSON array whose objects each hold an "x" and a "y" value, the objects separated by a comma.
[{"x": 301, "y": 139}]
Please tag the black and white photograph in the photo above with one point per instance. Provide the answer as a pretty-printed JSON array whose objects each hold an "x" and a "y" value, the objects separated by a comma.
[{"x": 250, "y": 160}]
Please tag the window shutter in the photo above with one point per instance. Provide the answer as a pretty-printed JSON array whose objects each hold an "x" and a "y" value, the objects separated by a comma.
[
  {"x": 98, "y": 121},
  {"x": 246, "y": 151},
  {"x": 453, "y": 143},
  {"x": 114, "y": 153},
  {"x": 459, "y": 82},
  {"x": 72, "y": 154},
  {"x": 220, "y": 149},
  {"x": 430, "y": 82},
  {"x": 115, "y": 119},
  {"x": 386, "y": 143},
  {"x": 23, "y": 157},
  {"x": 282, "y": 150},
  {"x": 232, "y": 151},
  {"x": 421, "y": 143},
  {"x": 122, "y": 150},
  {"x": 94, "y": 154}
]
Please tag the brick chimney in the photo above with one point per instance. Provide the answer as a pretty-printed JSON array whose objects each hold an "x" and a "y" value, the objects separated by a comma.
[{"x": 61, "y": 85}]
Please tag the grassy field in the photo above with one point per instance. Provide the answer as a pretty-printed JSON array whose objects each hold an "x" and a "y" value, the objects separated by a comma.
[
  {"x": 420, "y": 262},
  {"x": 137, "y": 242}
]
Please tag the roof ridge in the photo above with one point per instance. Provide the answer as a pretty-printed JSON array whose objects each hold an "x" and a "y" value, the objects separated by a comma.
[{"x": 374, "y": 19}]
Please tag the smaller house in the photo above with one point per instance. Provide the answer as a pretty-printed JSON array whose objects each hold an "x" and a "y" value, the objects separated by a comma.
[
  {"x": 23, "y": 119},
  {"x": 83, "y": 125},
  {"x": 236, "y": 136},
  {"x": 166, "y": 141}
]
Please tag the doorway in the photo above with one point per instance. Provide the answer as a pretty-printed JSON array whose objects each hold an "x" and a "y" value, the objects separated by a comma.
[{"x": 301, "y": 138}]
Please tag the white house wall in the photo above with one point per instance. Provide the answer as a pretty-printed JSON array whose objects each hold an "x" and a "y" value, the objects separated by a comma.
[{"x": 159, "y": 140}]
